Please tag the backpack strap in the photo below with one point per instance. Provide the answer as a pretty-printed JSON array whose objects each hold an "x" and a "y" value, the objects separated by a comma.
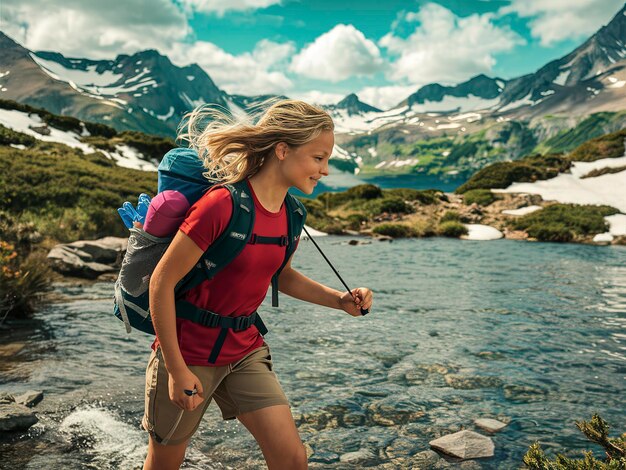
[
  {"x": 296, "y": 216},
  {"x": 222, "y": 251},
  {"x": 228, "y": 244}
]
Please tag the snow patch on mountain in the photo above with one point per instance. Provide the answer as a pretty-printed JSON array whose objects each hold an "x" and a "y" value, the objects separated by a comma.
[
  {"x": 456, "y": 104},
  {"x": 81, "y": 78},
  {"x": 123, "y": 155}
]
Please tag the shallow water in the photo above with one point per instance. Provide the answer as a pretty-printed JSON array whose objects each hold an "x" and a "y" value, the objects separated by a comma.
[{"x": 529, "y": 333}]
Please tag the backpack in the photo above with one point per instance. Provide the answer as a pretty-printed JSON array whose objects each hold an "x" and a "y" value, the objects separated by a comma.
[{"x": 182, "y": 170}]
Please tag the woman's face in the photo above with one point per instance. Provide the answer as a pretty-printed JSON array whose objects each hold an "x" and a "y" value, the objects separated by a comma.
[{"x": 303, "y": 166}]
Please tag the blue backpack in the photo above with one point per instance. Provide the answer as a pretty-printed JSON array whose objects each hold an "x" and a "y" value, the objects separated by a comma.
[{"x": 182, "y": 170}]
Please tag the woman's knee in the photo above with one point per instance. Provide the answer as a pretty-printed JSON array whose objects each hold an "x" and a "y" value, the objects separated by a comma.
[{"x": 298, "y": 459}]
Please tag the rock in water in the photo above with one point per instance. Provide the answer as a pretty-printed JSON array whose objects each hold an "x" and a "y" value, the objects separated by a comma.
[
  {"x": 488, "y": 424},
  {"x": 465, "y": 445},
  {"x": 30, "y": 398},
  {"x": 361, "y": 456},
  {"x": 14, "y": 417},
  {"x": 87, "y": 259}
]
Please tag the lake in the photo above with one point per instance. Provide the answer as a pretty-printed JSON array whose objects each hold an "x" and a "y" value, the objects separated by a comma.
[{"x": 529, "y": 333}]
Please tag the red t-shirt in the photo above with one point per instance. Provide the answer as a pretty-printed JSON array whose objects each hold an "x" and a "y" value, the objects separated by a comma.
[{"x": 236, "y": 290}]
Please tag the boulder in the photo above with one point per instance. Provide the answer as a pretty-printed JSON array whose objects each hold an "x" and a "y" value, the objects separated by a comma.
[
  {"x": 464, "y": 445},
  {"x": 488, "y": 424},
  {"x": 30, "y": 398},
  {"x": 88, "y": 258},
  {"x": 14, "y": 417}
]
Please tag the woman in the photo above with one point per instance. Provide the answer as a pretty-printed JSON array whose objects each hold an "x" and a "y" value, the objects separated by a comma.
[{"x": 289, "y": 147}]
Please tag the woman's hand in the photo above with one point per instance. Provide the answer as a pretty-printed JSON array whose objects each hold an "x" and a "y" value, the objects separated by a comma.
[
  {"x": 185, "y": 380},
  {"x": 353, "y": 302}
]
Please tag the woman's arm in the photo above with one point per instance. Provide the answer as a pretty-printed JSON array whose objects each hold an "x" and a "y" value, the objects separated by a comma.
[
  {"x": 296, "y": 284},
  {"x": 178, "y": 260}
]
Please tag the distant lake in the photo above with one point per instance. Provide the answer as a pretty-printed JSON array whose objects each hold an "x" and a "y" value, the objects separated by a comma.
[
  {"x": 530, "y": 333},
  {"x": 342, "y": 181}
]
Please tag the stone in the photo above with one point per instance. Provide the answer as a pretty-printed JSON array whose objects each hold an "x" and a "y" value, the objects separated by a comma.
[
  {"x": 324, "y": 457},
  {"x": 43, "y": 130},
  {"x": 359, "y": 242},
  {"x": 488, "y": 424},
  {"x": 88, "y": 258},
  {"x": 30, "y": 398},
  {"x": 464, "y": 445},
  {"x": 361, "y": 456},
  {"x": 14, "y": 417},
  {"x": 462, "y": 382},
  {"x": 425, "y": 459},
  {"x": 6, "y": 398}
]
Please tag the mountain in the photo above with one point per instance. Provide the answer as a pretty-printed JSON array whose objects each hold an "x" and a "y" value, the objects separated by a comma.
[
  {"x": 145, "y": 81},
  {"x": 143, "y": 91},
  {"x": 352, "y": 105},
  {"x": 589, "y": 79},
  {"x": 478, "y": 92}
]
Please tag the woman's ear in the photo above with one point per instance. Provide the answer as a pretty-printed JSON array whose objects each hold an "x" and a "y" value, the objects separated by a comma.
[{"x": 281, "y": 150}]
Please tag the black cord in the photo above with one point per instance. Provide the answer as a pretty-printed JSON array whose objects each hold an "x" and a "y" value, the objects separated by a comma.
[{"x": 364, "y": 311}]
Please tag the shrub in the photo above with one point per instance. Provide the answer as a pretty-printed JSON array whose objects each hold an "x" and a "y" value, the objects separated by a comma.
[
  {"x": 482, "y": 197},
  {"x": 364, "y": 191},
  {"x": 597, "y": 431},
  {"x": 395, "y": 230},
  {"x": 553, "y": 232},
  {"x": 9, "y": 136},
  {"x": 562, "y": 222},
  {"x": 425, "y": 196},
  {"x": 450, "y": 216},
  {"x": 393, "y": 205},
  {"x": 24, "y": 273},
  {"x": 452, "y": 228},
  {"x": 528, "y": 169},
  {"x": 354, "y": 221}
]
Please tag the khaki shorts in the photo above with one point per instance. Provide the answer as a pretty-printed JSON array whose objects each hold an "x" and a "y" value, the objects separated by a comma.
[{"x": 246, "y": 385}]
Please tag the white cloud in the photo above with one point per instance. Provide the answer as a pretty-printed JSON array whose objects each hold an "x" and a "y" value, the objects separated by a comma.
[
  {"x": 342, "y": 52},
  {"x": 247, "y": 73},
  {"x": 221, "y": 6},
  {"x": 318, "y": 97},
  {"x": 446, "y": 48},
  {"x": 96, "y": 30},
  {"x": 385, "y": 97},
  {"x": 552, "y": 21}
]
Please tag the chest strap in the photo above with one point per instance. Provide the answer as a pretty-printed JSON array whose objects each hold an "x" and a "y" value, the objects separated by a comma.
[
  {"x": 210, "y": 319},
  {"x": 258, "y": 239}
]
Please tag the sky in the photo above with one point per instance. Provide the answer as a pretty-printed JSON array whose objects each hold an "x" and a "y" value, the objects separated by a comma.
[{"x": 320, "y": 50}]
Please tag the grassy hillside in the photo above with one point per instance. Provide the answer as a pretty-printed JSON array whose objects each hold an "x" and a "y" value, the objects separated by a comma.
[
  {"x": 593, "y": 126},
  {"x": 541, "y": 167},
  {"x": 66, "y": 194}
]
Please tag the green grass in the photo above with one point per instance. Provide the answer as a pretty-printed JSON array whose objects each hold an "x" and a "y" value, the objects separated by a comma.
[{"x": 68, "y": 194}]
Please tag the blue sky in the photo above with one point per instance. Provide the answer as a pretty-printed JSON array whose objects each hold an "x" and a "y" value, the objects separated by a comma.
[{"x": 319, "y": 50}]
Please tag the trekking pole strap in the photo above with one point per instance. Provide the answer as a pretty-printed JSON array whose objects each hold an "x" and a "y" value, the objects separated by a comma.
[{"x": 364, "y": 311}]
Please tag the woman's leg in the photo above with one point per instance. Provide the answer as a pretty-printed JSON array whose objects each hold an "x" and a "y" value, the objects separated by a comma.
[
  {"x": 275, "y": 431},
  {"x": 162, "y": 457}
]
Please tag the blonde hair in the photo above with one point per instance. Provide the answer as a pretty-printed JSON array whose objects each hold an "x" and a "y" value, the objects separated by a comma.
[{"x": 233, "y": 149}]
